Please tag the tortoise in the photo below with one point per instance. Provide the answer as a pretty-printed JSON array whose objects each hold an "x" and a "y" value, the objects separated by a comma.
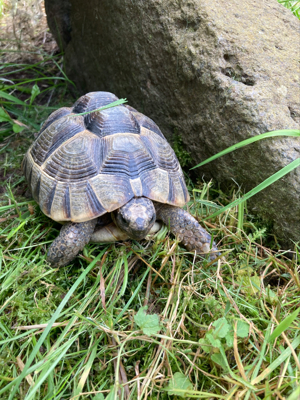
[{"x": 114, "y": 162}]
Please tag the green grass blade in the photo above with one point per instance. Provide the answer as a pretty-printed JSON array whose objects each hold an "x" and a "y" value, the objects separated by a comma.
[
  {"x": 86, "y": 371},
  {"x": 45, "y": 78},
  {"x": 267, "y": 182},
  {"x": 295, "y": 395},
  {"x": 262, "y": 353},
  {"x": 284, "y": 325},
  {"x": 132, "y": 297},
  {"x": 24, "y": 203},
  {"x": 279, "y": 360},
  {"x": 63, "y": 73},
  {"x": 241, "y": 209},
  {"x": 28, "y": 333},
  {"x": 12, "y": 98},
  {"x": 286, "y": 132}
]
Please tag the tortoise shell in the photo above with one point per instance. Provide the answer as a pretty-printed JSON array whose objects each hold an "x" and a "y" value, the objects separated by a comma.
[{"x": 82, "y": 166}]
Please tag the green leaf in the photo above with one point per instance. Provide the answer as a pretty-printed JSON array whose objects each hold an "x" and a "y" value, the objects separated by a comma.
[
  {"x": 227, "y": 307},
  {"x": 18, "y": 128},
  {"x": 271, "y": 296},
  {"x": 242, "y": 329},
  {"x": 34, "y": 92},
  {"x": 250, "y": 284},
  {"x": 222, "y": 327},
  {"x": 148, "y": 323},
  {"x": 285, "y": 132},
  {"x": 98, "y": 396},
  {"x": 4, "y": 116},
  {"x": 111, "y": 395},
  {"x": 178, "y": 385},
  {"x": 205, "y": 345},
  {"x": 284, "y": 325},
  {"x": 214, "y": 342},
  {"x": 229, "y": 339},
  {"x": 218, "y": 359}
]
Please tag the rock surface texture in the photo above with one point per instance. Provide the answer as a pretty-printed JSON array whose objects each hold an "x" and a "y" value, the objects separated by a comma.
[{"x": 211, "y": 71}]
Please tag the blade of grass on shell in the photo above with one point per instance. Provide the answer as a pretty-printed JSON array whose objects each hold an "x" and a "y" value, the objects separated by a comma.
[
  {"x": 113, "y": 104},
  {"x": 36, "y": 348},
  {"x": 284, "y": 325},
  {"x": 267, "y": 182},
  {"x": 286, "y": 132}
]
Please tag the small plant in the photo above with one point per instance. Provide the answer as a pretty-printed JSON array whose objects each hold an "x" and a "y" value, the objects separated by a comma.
[
  {"x": 183, "y": 156},
  {"x": 292, "y": 5}
]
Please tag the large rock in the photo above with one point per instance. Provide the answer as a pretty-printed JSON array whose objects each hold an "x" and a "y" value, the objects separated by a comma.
[{"x": 213, "y": 72}]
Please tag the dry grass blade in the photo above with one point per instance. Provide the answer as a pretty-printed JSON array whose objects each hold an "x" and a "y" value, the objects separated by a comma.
[
  {"x": 28, "y": 377},
  {"x": 237, "y": 356}
]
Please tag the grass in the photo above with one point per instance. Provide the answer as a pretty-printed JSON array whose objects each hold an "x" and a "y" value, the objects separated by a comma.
[
  {"x": 227, "y": 328},
  {"x": 136, "y": 320}
]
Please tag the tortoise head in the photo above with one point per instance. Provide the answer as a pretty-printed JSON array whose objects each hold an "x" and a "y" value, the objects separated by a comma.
[{"x": 136, "y": 217}]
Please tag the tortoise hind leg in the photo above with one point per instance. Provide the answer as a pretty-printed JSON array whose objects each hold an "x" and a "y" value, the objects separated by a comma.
[
  {"x": 70, "y": 241},
  {"x": 187, "y": 229}
]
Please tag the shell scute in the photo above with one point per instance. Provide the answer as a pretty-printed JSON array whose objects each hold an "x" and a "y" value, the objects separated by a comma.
[
  {"x": 112, "y": 191},
  {"x": 77, "y": 159},
  {"x": 147, "y": 123},
  {"x": 111, "y": 121},
  {"x": 54, "y": 136},
  {"x": 61, "y": 112}
]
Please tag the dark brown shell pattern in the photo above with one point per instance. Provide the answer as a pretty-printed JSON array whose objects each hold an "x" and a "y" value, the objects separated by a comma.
[{"x": 82, "y": 166}]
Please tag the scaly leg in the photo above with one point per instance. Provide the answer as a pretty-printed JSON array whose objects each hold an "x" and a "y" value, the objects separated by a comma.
[
  {"x": 70, "y": 241},
  {"x": 187, "y": 229}
]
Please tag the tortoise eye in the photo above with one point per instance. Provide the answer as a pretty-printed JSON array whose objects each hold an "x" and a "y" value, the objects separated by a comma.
[{"x": 123, "y": 220}]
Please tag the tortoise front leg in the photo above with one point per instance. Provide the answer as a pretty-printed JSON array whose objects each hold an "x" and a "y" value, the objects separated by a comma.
[
  {"x": 70, "y": 241},
  {"x": 187, "y": 229}
]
